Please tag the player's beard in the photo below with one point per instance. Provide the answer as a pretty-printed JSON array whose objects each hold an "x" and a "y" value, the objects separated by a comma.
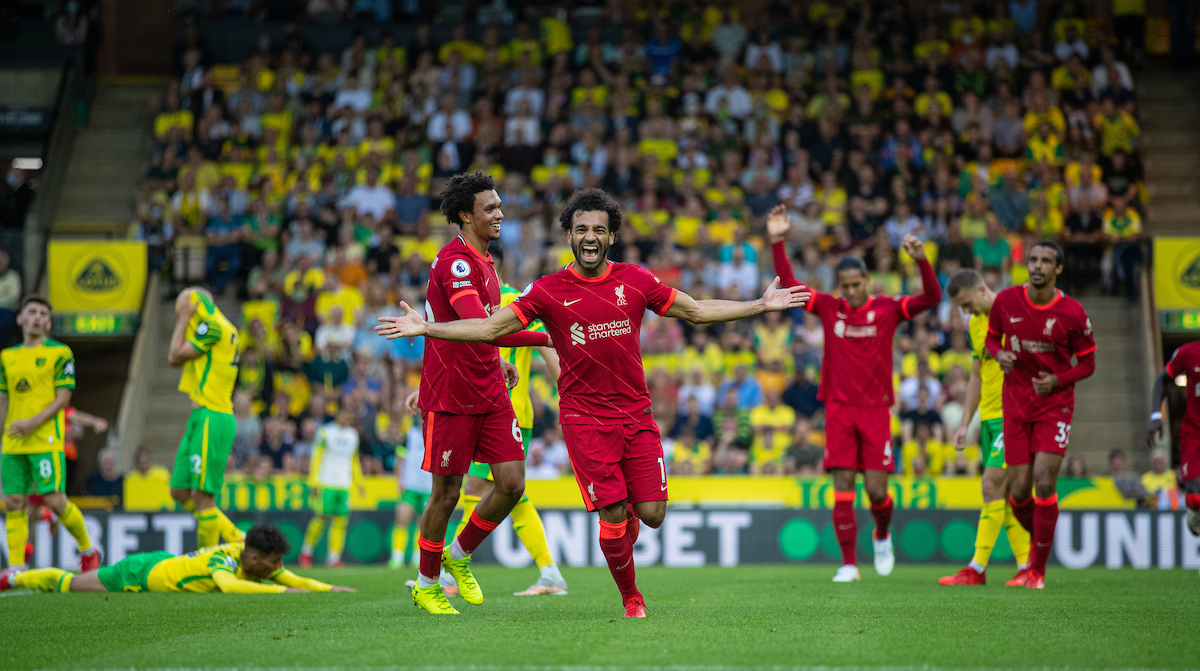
[{"x": 601, "y": 254}]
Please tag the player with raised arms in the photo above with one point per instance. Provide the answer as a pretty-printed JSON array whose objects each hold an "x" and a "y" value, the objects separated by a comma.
[
  {"x": 968, "y": 292},
  {"x": 856, "y": 385},
  {"x": 1033, "y": 332},
  {"x": 1184, "y": 362},
  {"x": 463, "y": 397},
  {"x": 593, "y": 309}
]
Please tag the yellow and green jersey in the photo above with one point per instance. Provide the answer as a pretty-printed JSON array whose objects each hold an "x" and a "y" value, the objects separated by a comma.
[
  {"x": 199, "y": 572},
  {"x": 31, "y": 377},
  {"x": 990, "y": 376},
  {"x": 521, "y": 357},
  {"x": 208, "y": 379}
]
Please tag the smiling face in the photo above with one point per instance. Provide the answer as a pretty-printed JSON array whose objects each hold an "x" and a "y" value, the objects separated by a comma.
[
  {"x": 484, "y": 221},
  {"x": 590, "y": 239},
  {"x": 1044, "y": 267}
]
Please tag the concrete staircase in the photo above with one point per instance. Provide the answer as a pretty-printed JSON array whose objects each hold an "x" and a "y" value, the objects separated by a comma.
[
  {"x": 1169, "y": 108},
  {"x": 1110, "y": 406},
  {"x": 108, "y": 161}
]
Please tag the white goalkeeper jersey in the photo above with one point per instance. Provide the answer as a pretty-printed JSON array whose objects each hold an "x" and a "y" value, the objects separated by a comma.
[{"x": 337, "y": 448}]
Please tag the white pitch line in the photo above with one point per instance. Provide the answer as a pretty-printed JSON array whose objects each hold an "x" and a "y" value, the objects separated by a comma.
[{"x": 486, "y": 667}]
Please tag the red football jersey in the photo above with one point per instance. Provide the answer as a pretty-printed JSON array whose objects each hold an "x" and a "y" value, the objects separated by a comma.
[
  {"x": 857, "y": 367},
  {"x": 1044, "y": 338},
  {"x": 1186, "y": 361},
  {"x": 596, "y": 326},
  {"x": 458, "y": 377}
]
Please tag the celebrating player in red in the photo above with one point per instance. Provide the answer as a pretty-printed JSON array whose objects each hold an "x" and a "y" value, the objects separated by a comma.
[
  {"x": 1041, "y": 328},
  {"x": 593, "y": 310},
  {"x": 1184, "y": 362},
  {"x": 856, "y": 385},
  {"x": 464, "y": 403}
]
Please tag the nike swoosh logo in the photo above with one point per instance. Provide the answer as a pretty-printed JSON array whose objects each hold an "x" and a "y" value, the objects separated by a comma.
[
  {"x": 622, "y": 568},
  {"x": 568, "y": 304},
  {"x": 662, "y": 488},
  {"x": 843, "y": 527},
  {"x": 1014, "y": 320}
]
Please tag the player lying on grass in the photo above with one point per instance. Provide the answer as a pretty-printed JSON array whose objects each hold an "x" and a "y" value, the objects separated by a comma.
[
  {"x": 593, "y": 311},
  {"x": 235, "y": 568}
]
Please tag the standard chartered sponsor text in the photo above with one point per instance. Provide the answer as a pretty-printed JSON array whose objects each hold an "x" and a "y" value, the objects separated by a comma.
[{"x": 609, "y": 329}]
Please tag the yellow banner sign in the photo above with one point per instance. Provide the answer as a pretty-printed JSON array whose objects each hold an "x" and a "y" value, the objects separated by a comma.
[
  {"x": 245, "y": 494},
  {"x": 96, "y": 275},
  {"x": 1176, "y": 273}
]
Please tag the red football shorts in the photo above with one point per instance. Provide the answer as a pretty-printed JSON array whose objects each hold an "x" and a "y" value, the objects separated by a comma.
[
  {"x": 1189, "y": 458},
  {"x": 859, "y": 439},
  {"x": 617, "y": 462},
  {"x": 1023, "y": 439},
  {"x": 452, "y": 441}
]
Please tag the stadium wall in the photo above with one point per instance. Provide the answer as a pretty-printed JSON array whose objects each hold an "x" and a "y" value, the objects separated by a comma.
[{"x": 688, "y": 538}]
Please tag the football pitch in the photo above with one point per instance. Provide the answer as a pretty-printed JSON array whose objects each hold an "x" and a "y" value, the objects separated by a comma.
[{"x": 706, "y": 619}]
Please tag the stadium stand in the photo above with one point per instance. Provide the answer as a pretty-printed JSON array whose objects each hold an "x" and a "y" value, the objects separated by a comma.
[{"x": 301, "y": 183}]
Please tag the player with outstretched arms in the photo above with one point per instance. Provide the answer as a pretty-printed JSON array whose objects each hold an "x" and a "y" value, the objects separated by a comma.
[
  {"x": 593, "y": 310},
  {"x": 465, "y": 409},
  {"x": 37, "y": 379},
  {"x": 856, "y": 385},
  {"x": 1185, "y": 362},
  {"x": 968, "y": 292},
  {"x": 1033, "y": 332}
]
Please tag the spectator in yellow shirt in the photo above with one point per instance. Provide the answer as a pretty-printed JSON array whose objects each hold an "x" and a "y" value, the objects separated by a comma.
[
  {"x": 174, "y": 117},
  {"x": 1160, "y": 482},
  {"x": 1117, "y": 129},
  {"x": 772, "y": 424},
  {"x": 1044, "y": 222},
  {"x": 469, "y": 50},
  {"x": 1122, "y": 228}
]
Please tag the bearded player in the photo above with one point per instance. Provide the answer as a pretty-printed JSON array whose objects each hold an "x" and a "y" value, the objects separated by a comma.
[
  {"x": 1186, "y": 362},
  {"x": 465, "y": 409},
  {"x": 593, "y": 310},
  {"x": 968, "y": 292},
  {"x": 1033, "y": 331},
  {"x": 856, "y": 385}
]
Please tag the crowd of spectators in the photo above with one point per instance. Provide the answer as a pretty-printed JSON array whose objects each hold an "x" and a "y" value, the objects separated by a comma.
[{"x": 309, "y": 183}]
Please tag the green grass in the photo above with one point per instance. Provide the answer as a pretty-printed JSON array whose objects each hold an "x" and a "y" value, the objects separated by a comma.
[{"x": 753, "y": 616}]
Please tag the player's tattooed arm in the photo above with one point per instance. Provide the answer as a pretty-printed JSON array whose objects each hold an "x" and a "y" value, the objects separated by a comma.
[
  {"x": 411, "y": 324},
  {"x": 773, "y": 299}
]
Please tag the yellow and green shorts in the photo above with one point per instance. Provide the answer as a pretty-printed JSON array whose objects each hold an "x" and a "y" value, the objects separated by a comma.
[
  {"x": 418, "y": 500},
  {"x": 331, "y": 502},
  {"x": 991, "y": 442},
  {"x": 484, "y": 471},
  {"x": 132, "y": 573},
  {"x": 203, "y": 451},
  {"x": 38, "y": 473}
]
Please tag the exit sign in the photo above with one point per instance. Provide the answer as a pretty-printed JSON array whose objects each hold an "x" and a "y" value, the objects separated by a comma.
[
  {"x": 83, "y": 324},
  {"x": 1180, "y": 321}
]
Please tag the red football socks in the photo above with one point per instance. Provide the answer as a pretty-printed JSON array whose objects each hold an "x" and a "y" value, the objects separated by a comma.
[
  {"x": 474, "y": 532},
  {"x": 431, "y": 558},
  {"x": 1023, "y": 511},
  {"x": 1045, "y": 517},
  {"x": 845, "y": 526},
  {"x": 883, "y": 517},
  {"x": 618, "y": 550},
  {"x": 1193, "y": 501}
]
